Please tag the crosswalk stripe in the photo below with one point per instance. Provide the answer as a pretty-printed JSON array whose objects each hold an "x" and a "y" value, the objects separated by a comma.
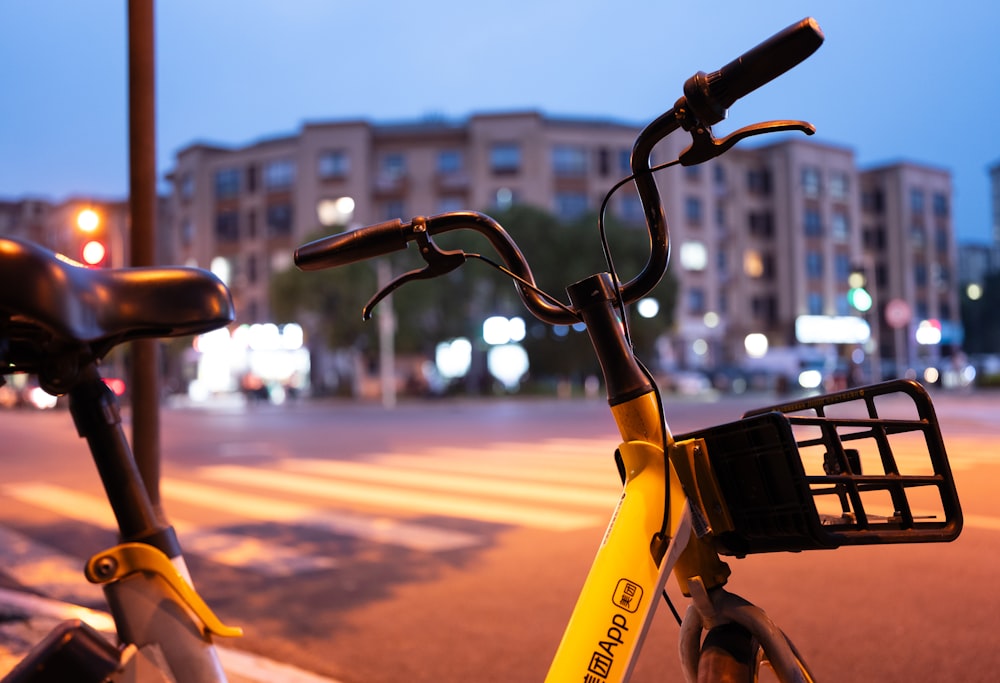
[
  {"x": 232, "y": 550},
  {"x": 379, "y": 529},
  {"x": 46, "y": 569},
  {"x": 398, "y": 497},
  {"x": 456, "y": 483},
  {"x": 437, "y": 461}
]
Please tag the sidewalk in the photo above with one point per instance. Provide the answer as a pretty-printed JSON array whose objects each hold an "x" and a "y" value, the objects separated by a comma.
[{"x": 26, "y": 618}]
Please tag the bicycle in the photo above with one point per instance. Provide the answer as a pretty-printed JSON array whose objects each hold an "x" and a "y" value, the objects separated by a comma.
[
  {"x": 58, "y": 319},
  {"x": 685, "y": 500},
  {"x": 791, "y": 477}
]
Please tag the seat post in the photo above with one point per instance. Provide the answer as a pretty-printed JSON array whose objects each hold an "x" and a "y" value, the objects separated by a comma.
[{"x": 97, "y": 416}]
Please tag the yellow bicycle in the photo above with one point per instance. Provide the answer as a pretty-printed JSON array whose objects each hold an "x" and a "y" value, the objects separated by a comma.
[{"x": 798, "y": 476}]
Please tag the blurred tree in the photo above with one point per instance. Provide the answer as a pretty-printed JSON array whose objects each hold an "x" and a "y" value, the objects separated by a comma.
[{"x": 328, "y": 303}]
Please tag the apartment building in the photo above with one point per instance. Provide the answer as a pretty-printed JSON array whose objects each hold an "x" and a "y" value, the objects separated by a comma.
[{"x": 761, "y": 236}]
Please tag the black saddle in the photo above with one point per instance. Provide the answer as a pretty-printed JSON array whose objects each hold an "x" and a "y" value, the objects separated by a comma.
[{"x": 47, "y": 299}]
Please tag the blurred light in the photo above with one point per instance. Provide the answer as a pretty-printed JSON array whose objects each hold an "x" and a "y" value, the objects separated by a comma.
[
  {"x": 648, "y": 307},
  {"x": 291, "y": 336},
  {"x": 339, "y": 211},
  {"x": 94, "y": 253},
  {"x": 453, "y": 358},
  {"x": 711, "y": 320},
  {"x": 753, "y": 264},
  {"x": 756, "y": 345},
  {"x": 694, "y": 256},
  {"x": 929, "y": 332},
  {"x": 507, "y": 363},
  {"x": 88, "y": 220},
  {"x": 857, "y": 356},
  {"x": 974, "y": 292},
  {"x": 517, "y": 329},
  {"x": 496, "y": 330},
  {"x": 216, "y": 341},
  {"x": 116, "y": 385},
  {"x": 700, "y": 347},
  {"x": 832, "y": 329},
  {"x": 41, "y": 399},
  {"x": 810, "y": 379},
  {"x": 856, "y": 280},
  {"x": 931, "y": 375},
  {"x": 860, "y": 299},
  {"x": 220, "y": 267},
  {"x": 264, "y": 337}
]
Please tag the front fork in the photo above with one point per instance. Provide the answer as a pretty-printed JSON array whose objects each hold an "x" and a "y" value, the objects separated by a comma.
[{"x": 144, "y": 578}]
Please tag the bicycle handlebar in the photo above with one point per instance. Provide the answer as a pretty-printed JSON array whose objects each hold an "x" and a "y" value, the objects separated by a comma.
[
  {"x": 710, "y": 95},
  {"x": 705, "y": 100}
]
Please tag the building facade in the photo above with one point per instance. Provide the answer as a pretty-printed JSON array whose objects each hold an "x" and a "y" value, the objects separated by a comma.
[{"x": 760, "y": 236}]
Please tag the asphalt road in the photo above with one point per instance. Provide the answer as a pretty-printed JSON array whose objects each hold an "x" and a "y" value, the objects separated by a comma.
[{"x": 447, "y": 541}]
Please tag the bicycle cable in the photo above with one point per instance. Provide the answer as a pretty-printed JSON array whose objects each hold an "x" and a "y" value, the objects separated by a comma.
[{"x": 606, "y": 246}]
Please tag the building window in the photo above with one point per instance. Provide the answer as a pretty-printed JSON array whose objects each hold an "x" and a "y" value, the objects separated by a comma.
[
  {"x": 842, "y": 266},
  {"x": 279, "y": 175},
  {"x": 813, "y": 222},
  {"x": 252, "y": 268},
  {"x": 569, "y": 161},
  {"x": 696, "y": 300},
  {"x": 759, "y": 181},
  {"x": 810, "y": 181},
  {"x": 186, "y": 186},
  {"x": 693, "y": 255},
  {"x": 630, "y": 208},
  {"x": 840, "y": 226},
  {"x": 693, "y": 210},
  {"x": 761, "y": 224},
  {"x": 505, "y": 158},
  {"x": 570, "y": 205},
  {"x": 187, "y": 232},
  {"x": 838, "y": 185},
  {"x": 873, "y": 201},
  {"x": 625, "y": 161},
  {"x": 394, "y": 208},
  {"x": 917, "y": 200},
  {"x": 920, "y": 275},
  {"x": 227, "y": 183},
  {"x": 227, "y": 226},
  {"x": 252, "y": 178},
  {"x": 814, "y": 301},
  {"x": 814, "y": 265},
  {"x": 333, "y": 164},
  {"x": 449, "y": 161},
  {"x": 392, "y": 166},
  {"x": 450, "y": 204},
  {"x": 940, "y": 205},
  {"x": 279, "y": 220}
]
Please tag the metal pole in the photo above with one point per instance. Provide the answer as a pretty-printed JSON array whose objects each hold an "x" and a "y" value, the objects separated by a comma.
[{"x": 142, "y": 202}]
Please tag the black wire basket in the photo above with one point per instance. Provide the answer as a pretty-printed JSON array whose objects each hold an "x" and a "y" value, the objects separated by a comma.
[{"x": 863, "y": 466}]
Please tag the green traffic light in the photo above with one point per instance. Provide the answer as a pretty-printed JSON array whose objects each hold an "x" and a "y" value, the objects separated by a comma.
[{"x": 860, "y": 299}]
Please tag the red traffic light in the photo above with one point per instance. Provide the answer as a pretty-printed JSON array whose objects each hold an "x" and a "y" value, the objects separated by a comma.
[{"x": 94, "y": 253}]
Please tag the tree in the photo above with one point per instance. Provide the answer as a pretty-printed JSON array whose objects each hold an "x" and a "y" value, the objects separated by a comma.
[{"x": 328, "y": 303}]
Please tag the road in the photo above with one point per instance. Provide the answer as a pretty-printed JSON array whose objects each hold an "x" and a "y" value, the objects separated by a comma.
[{"x": 446, "y": 541}]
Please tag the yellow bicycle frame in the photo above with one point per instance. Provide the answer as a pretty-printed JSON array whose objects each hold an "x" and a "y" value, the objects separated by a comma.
[{"x": 618, "y": 599}]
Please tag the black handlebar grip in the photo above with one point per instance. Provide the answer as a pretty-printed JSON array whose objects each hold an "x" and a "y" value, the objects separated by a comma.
[
  {"x": 353, "y": 246},
  {"x": 710, "y": 95}
]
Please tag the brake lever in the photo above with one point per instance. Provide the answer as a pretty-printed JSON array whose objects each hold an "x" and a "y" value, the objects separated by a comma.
[
  {"x": 704, "y": 146},
  {"x": 438, "y": 261}
]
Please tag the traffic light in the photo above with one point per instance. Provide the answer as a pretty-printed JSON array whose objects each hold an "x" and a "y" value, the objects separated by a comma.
[
  {"x": 94, "y": 253},
  {"x": 857, "y": 296}
]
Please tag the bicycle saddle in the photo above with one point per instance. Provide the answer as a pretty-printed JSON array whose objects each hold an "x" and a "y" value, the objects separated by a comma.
[{"x": 100, "y": 308}]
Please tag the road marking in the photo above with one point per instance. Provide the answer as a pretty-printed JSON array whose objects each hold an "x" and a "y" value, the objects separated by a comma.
[
  {"x": 233, "y": 550},
  {"x": 400, "y": 498},
  {"x": 403, "y": 476},
  {"x": 378, "y": 529},
  {"x": 45, "y": 569}
]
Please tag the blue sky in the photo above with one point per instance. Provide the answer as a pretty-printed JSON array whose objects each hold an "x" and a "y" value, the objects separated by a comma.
[{"x": 894, "y": 80}]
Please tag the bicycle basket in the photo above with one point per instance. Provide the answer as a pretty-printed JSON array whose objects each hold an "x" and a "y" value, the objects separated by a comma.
[{"x": 863, "y": 466}]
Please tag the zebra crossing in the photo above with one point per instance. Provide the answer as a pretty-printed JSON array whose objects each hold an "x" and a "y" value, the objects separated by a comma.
[{"x": 433, "y": 500}]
